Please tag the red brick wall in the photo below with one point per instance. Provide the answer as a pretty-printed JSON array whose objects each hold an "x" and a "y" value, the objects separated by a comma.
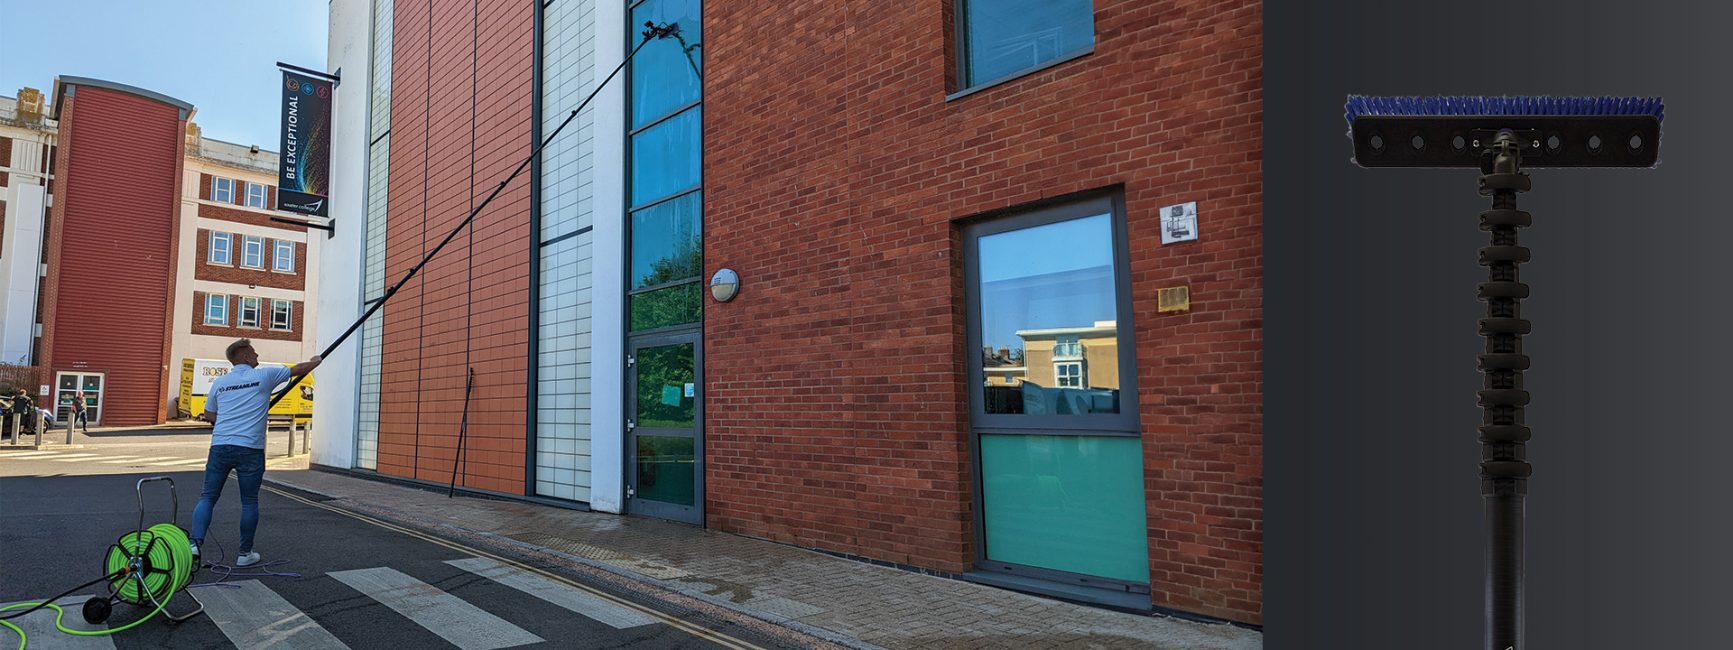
[
  {"x": 5, "y": 179},
  {"x": 111, "y": 246},
  {"x": 241, "y": 214},
  {"x": 468, "y": 307},
  {"x": 835, "y": 178},
  {"x": 234, "y": 273},
  {"x": 233, "y": 328}
]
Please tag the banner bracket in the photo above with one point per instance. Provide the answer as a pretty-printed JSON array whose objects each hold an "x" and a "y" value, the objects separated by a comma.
[
  {"x": 333, "y": 78},
  {"x": 327, "y": 227}
]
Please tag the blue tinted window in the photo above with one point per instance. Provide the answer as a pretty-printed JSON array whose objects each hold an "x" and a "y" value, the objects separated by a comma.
[
  {"x": 665, "y": 72},
  {"x": 665, "y": 242},
  {"x": 1007, "y": 36},
  {"x": 1049, "y": 318},
  {"x": 665, "y": 157}
]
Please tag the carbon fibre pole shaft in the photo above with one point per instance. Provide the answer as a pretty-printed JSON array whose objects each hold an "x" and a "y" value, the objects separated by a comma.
[
  {"x": 652, "y": 32},
  {"x": 1504, "y": 467}
]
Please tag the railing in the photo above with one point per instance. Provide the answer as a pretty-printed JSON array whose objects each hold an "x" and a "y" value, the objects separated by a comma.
[{"x": 1073, "y": 350}]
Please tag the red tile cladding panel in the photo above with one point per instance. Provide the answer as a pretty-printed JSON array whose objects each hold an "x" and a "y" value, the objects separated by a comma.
[
  {"x": 114, "y": 261},
  {"x": 467, "y": 308},
  {"x": 835, "y": 175}
]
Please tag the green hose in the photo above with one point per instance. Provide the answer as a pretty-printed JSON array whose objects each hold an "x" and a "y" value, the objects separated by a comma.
[{"x": 170, "y": 566}]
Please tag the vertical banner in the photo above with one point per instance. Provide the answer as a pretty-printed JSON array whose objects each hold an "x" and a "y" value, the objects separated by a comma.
[{"x": 304, "y": 163}]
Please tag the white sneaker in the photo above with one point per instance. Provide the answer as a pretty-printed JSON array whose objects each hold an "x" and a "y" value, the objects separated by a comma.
[
  {"x": 195, "y": 548},
  {"x": 250, "y": 559}
]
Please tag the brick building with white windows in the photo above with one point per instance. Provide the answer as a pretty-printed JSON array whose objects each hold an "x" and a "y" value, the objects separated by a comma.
[
  {"x": 146, "y": 267},
  {"x": 246, "y": 275}
]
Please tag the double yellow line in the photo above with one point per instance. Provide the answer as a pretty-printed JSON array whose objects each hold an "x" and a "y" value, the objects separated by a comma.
[{"x": 704, "y": 633}]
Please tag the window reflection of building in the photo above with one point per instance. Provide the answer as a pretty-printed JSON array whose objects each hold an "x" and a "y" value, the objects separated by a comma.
[
  {"x": 1057, "y": 370},
  {"x": 1073, "y": 357}
]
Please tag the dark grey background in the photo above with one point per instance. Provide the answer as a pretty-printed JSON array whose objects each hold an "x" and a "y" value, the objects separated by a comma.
[{"x": 1372, "y": 500}]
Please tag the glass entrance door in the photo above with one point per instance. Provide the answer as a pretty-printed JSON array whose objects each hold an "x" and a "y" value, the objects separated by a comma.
[
  {"x": 665, "y": 473},
  {"x": 66, "y": 387}
]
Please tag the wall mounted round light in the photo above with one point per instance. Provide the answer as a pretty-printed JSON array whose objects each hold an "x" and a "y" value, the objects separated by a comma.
[{"x": 724, "y": 285}]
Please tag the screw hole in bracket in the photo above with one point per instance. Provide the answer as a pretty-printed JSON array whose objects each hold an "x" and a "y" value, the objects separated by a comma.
[
  {"x": 1459, "y": 143},
  {"x": 1417, "y": 142},
  {"x": 1635, "y": 143},
  {"x": 1595, "y": 143},
  {"x": 1554, "y": 143},
  {"x": 1376, "y": 142}
]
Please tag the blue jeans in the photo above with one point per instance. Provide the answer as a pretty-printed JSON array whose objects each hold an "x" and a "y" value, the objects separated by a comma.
[{"x": 249, "y": 467}]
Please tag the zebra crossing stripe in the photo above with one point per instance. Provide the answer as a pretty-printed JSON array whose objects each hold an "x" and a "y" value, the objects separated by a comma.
[
  {"x": 68, "y": 458},
  {"x": 28, "y": 454},
  {"x": 453, "y": 619},
  {"x": 253, "y": 616},
  {"x": 602, "y": 611},
  {"x": 39, "y": 626},
  {"x": 123, "y": 460},
  {"x": 180, "y": 461}
]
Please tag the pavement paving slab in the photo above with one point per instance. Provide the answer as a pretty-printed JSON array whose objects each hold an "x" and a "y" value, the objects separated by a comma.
[{"x": 841, "y": 601}]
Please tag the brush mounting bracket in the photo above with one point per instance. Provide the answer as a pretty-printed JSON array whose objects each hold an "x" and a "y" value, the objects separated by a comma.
[{"x": 1548, "y": 141}]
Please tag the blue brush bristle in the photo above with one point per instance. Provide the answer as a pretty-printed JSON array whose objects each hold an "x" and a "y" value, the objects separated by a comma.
[{"x": 1465, "y": 105}]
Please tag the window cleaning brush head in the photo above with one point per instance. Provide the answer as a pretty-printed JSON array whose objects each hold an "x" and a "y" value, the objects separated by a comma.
[{"x": 1454, "y": 130}]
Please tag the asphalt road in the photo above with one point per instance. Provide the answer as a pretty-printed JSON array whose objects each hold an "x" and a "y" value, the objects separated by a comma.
[{"x": 360, "y": 585}]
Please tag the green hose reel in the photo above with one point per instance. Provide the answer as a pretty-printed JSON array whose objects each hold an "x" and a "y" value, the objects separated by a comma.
[{"x": 146, "y": 568}]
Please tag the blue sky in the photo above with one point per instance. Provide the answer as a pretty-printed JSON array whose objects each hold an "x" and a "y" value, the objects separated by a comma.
[
  {"x": 1056, "y": 275},
  {"x": 220, "y": 56}
]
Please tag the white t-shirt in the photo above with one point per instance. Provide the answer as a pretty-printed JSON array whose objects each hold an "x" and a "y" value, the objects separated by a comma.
[{"x": 241, "y": 400}]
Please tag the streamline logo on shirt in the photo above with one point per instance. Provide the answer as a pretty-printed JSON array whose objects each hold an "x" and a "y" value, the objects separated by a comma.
[{"x": 238, "y": 387}]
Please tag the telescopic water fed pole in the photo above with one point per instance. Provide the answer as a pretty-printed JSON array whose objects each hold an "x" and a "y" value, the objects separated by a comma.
[
  {"x": 651, "y": 32},
  {"x": 1500, "y": 136}
]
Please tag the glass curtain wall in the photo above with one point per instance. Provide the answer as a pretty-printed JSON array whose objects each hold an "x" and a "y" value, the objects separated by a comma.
[
  {"x": 666, "y": 125},
  {"x": 664, "y": 262}
]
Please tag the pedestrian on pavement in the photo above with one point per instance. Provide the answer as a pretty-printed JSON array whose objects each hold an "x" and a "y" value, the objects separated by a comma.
[
  {"x": 23, "y": 411},
  {"x": 236, "y": 408},
  {"x": 80, "y": 413}
]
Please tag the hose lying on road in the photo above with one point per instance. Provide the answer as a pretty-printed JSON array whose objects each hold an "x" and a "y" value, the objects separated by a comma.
[{"x": 146, "y": 568}]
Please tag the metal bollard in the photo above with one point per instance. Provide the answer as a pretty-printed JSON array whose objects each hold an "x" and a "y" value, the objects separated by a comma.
[
  {"x": 39, "y": 422},
  {"x": 71, "y": 419},
  {"x": 13, "y": 426}
]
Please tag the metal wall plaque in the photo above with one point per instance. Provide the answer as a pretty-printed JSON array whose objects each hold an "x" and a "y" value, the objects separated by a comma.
[
  {"x": 1179, "y": 223},
  {"x": 1173, "y": 299}
]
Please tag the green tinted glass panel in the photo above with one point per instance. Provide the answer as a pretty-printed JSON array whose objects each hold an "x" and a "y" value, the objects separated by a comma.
[
  {"x": 665, "y": 242},
  {"x": 665, "y": 157},
  {"x": 1068, "y": 503},
  {"x": 676, "y": 305},
  {"x": 666, "y": 467},
  {"x": 665, "y": 386},
  {"x": 665, "y": 72}
]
